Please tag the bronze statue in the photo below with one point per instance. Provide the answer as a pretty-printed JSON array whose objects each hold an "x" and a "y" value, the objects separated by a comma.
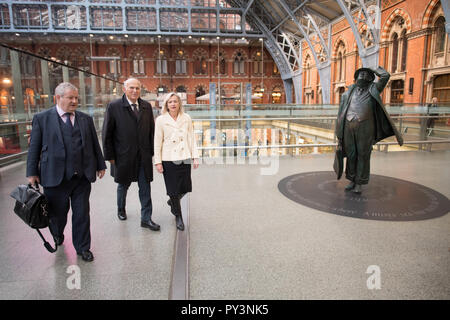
[{"x": 362, "y": 121}]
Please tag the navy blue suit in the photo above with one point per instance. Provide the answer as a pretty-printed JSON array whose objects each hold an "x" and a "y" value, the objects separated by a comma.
[{"x": 53, "y": 145}]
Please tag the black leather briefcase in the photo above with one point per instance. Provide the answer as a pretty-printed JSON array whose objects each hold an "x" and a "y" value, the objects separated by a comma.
[{"x": 32, "y": 207}]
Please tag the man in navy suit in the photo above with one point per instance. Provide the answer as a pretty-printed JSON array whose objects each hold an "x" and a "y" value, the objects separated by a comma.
[{"x": 64, "y": 157}]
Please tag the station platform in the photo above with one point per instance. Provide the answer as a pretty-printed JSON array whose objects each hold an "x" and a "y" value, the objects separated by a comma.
[{"x": 246, "y": 240}]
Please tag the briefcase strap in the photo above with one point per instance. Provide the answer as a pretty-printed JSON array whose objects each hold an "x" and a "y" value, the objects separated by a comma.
[{"x": 46, "y": 244}]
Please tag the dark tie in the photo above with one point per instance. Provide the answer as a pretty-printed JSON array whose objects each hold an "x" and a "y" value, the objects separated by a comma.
[
  {"x": 68, "y": 122},
  {"x": 136, "y": 112}
]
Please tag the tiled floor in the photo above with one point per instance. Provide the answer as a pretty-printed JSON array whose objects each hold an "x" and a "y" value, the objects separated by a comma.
[{"x": 247, "y": 241}]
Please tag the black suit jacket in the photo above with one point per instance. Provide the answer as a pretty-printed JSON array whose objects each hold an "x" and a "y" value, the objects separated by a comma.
[
  {"x": 127, "y": 139},
  {"x": 47, "y": 155}
]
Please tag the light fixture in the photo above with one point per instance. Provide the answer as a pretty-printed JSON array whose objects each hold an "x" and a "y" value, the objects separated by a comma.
[
  {"x": 91, "y": 35},
  {"x": 18, "y": 34},
  {"x": 6, "y": 81},
  {"x": 111, "y": 37},
  {"x": 126, "y": 36}
]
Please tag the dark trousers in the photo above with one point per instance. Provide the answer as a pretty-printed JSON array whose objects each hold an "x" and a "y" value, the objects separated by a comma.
[
  {"x": 358, "y": 142},
  {"x": 72, "y": 193},
  {"x": 144, "y": 195}
]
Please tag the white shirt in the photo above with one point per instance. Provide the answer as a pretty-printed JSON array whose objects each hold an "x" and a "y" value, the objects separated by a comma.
[
  {"x": 136, "y": 103},
  {"x": 61, "y": 113},
  {"x": 174, "y": 140}
]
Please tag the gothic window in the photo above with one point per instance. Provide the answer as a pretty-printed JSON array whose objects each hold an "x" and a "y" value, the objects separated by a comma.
[
  {"x": 394, "y": 53},
  {"x": 257, "y": 63},
  {"x": 239, "y": 64},
  {"x": 200, "y": 63},
  {"x": 404, "y": 41},
  {"x": 138, "y": 64},
  {"x": 161, "y": 63},
  {"x": 221, "y": 65},
  {"x": 180, "y": 62},
  {"x": 440, "y": 35},
  {"x": 180, "y": 89},
  {"x": 113, "y": 65}
]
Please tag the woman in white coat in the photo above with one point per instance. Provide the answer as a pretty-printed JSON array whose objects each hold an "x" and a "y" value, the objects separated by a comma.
[{"x": 175, "y": 151}]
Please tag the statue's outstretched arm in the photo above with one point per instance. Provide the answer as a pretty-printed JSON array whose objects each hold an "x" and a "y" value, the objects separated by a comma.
[{"x": 384, "y": 78}]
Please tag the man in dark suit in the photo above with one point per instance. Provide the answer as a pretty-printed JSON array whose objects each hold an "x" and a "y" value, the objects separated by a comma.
[
  {"x": 363, "y": 121},
  {"x": 64, "y": 157},
  {"x": 128, "y": 131}
]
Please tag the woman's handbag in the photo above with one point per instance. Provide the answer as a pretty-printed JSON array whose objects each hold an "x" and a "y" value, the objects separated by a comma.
[{"x": 32, "y": 207}]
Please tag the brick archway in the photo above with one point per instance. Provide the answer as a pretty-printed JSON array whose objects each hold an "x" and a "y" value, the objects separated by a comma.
[{"x": 389, "y": 22}]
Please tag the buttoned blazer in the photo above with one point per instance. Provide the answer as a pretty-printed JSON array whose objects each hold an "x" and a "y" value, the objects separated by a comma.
[
  {"x": 127, "y": 139},
  {"x": 47, "y": 154},
  {"x": 174, "y": 140}
]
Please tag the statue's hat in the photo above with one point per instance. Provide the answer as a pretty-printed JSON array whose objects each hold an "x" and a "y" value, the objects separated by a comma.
[{"x": 364, "y": 69}]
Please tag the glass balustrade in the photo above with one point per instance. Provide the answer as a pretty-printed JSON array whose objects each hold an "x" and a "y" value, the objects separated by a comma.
[{"x": 27, "y": 86}]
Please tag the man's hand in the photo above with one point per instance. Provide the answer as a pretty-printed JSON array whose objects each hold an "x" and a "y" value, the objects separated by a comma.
[
  {"x": 195, "y": 163},
  {"x": 101, "y": 173},
  {"x": 159, "y": 167},
  {"x": 33, "y": 180},
  {"x": 112, "y": 161}
]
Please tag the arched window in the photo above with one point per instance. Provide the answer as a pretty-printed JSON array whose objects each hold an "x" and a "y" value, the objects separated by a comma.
[
  {"x": 113, "y": 66},
  {"x": 200, "y": 62},
  {"x": 180, "y": 62},
  {"x": 161, "y": 63},
  {"x": 394, "y": 53},
  {"x": 220, "y": 63},
  {"x": 404, "y": 50},
  {"x": 339, "y": 66},
  {"x": 180, "y": 89},
  {"x": 138, "y": 63},
  {"x": 257, "y": 63},
  {"x": 440, "y": 35},
  {"x": 307, "y": 71},
  {"x": 239, "y": 64},
  {"x": 199, "y": 91}
]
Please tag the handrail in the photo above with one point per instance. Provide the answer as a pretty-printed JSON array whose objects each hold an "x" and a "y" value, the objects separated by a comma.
[{"x": 308, "y": 145}]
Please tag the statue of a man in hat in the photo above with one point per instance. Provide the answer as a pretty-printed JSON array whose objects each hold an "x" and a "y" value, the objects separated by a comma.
[{"x": 363, "y": 121}]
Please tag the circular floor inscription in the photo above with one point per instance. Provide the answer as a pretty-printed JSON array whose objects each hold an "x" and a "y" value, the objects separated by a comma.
[{"x": 384, "y": 198}]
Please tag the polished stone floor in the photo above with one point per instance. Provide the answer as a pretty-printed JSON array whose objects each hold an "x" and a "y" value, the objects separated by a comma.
[{"x": 247, "y": 240}]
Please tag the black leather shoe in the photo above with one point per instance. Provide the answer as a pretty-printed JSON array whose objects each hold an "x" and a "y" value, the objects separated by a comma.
[
  {"x": 59, "y": 240},
  {"x": 122, "y": 214},
  {"x": 86, "y": 255},
  {"x": 151, "y": 225},
  {"x": 180, "y": 224},
  {"x": 357, "y": 189}
]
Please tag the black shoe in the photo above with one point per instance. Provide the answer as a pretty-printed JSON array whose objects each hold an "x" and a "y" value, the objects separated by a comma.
[
  {"x": 122, "y": 214},
  {"x": 59, "y": 240},
  {"x": 151, "y": 225},
  {"x": 180, "y": 224},
  {"x": 86, "y": 255},
  {"x": 357, "y": 189},
  {"x": 350, "y": 186}
]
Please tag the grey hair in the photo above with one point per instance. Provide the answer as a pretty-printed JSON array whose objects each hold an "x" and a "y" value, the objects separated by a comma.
[
  {"x": 63, "y": 87},
  {"x": 130, "y": 79}
]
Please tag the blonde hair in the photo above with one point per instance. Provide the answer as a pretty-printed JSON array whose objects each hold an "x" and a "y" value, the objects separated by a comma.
[{"x": 165, "y": 109}]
